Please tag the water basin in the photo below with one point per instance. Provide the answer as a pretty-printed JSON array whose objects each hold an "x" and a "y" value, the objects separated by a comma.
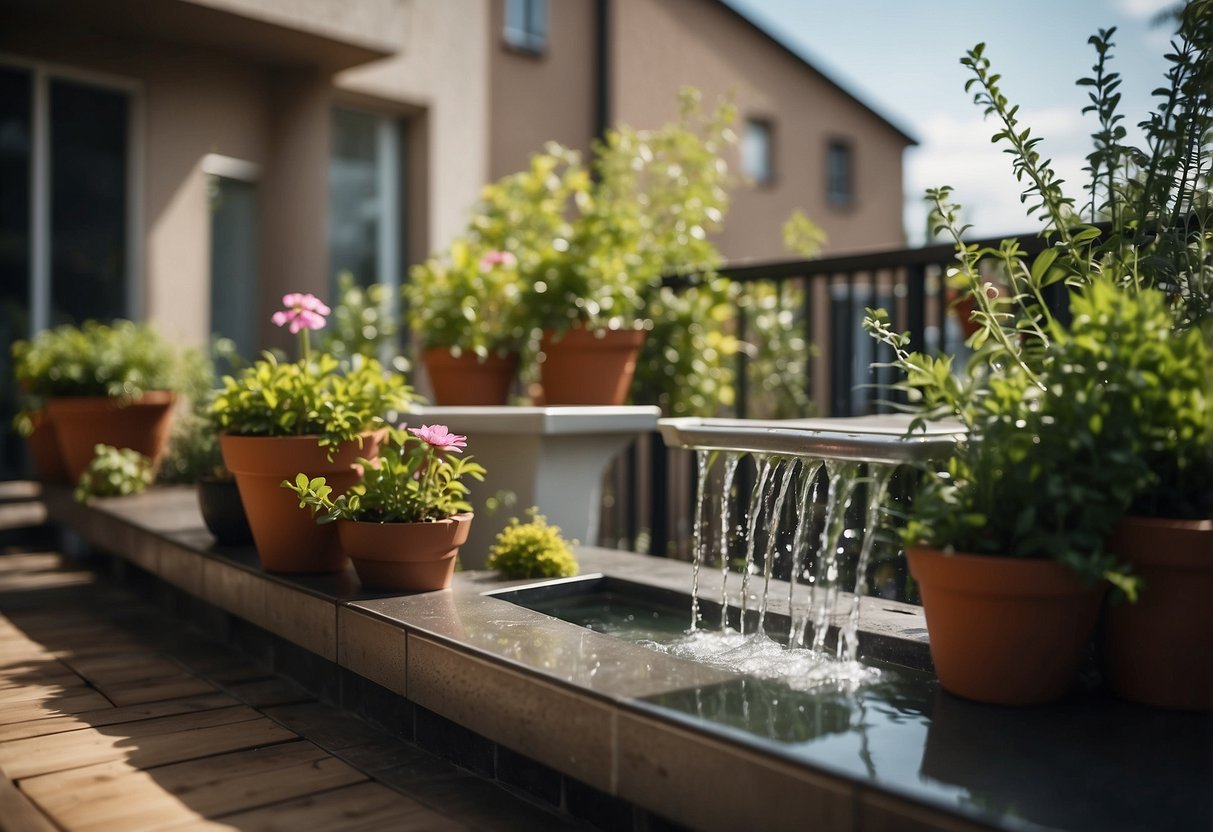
[{"x": 1087, "y": 762}]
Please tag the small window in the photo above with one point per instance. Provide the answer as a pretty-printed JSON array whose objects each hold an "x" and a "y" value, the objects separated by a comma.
[
  {"x": 526, "y": 25},
  {"x": 757, "y": 157},
  {"x": 840, "y": 174}
]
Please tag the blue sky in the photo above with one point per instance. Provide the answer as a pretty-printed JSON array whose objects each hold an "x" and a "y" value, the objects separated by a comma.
[{"x": 901, "y": 57}]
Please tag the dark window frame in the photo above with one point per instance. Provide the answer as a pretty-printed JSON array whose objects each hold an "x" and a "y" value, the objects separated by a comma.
[
  {"x": 767, "y": 125},
  {"x": 840, "y": 189},
  {"x": 531, "y": 38}
]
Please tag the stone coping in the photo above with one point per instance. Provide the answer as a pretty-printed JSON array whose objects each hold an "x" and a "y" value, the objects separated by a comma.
[
  {"x": 547, "y": 421},
  {"x": 607, "y": 712}
]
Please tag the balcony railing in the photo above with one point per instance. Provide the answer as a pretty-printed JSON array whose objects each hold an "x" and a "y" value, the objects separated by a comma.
[{"x": 650, "y": 493}]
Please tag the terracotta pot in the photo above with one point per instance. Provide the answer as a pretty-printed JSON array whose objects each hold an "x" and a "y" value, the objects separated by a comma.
[
  {"x": 223, "y": 513},
  {"x": 44, "y": 448},
  {"x": 589, "y": 368},
  {"x": 404, "y": 556},
  {"x": 1007, "y": 631},
  {"x": 466, "y": 380},
  {"x": 83, "y": 422},
  {"x": 288, "y": 539},
  {"x": 1159, "y": 651}
]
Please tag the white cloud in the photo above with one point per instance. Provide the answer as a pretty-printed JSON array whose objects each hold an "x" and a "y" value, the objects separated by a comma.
[
  {"x": 958, "y": 152},
  {"x": 1145, "y": 8}
]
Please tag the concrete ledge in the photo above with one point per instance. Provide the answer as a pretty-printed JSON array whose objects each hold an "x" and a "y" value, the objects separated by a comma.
[{"x": 581, "y": 714}]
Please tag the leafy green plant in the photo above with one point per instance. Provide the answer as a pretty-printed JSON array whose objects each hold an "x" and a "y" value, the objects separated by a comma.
[
  {"x": 532, "y": 550},
  {"x": 414, "y": 479},
  {"x": 1070, "y": 425},
  {"x": 95, "y": 359},
  {"x": 114, "y": 472},
  {"x": 312, "y": 396},
  {"x": 362, "y": 324},
  {"x": 564, "y": 243},
  {"x": 1055, "y": 456},
  {"x": 469, "y": 299}
]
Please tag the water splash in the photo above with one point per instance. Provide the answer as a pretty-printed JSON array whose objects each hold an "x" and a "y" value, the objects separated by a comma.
[
  {"x": 824, "y": 593},
  {"x": 878, "y": 487},
  {"x": 755, "y": 653},
  {"x": 731, "y": 462},
  {"x": 765, "y": 464},
  {"x": 773, "y": 539},
  {"x": 704, "y": 460}
]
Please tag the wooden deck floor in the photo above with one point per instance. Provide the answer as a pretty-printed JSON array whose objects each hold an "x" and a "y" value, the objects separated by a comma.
[{"x": 112, "y": 720}]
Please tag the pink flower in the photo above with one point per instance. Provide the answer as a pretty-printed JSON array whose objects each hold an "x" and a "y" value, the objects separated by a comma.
[
  {"x": 303, "y": 311},
  {"x": 439, "y": 437},
  {"x": 492, "y": 259}
]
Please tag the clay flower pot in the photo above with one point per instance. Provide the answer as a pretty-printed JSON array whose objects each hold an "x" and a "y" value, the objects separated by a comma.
[
  {"x": 466, "y": 380},
  {"x": 83, "y": 422},
  {"x": 287, "y": 538},
  {"x": 44, "y": 448},
  {"x": 1159, "y": 651},
  {"x": 223, "y": 513},
  {"x": 1007, "y": 631},
  {"x": 589, "y": 368},
  {"x": 416, "y": 557}
]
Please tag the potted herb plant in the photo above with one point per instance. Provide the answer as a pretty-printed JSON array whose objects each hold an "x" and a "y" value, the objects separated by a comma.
[
  {"x": 1069, "y": 426},
  {"x": 468, "y": 309},
  {"x": 655, "y": 197},
  {"x": 101, "y": 384},
  {"x": 532, "y": 550},
  {"x": 403, "y": 523},
  {"x": 313, "y": 415}
]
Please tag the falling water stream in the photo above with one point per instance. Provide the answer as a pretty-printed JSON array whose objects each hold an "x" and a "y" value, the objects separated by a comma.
[{"x": 802, "y": 662}]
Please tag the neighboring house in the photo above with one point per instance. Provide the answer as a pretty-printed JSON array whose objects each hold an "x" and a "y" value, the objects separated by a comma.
[{"x": 189, "y": 161}]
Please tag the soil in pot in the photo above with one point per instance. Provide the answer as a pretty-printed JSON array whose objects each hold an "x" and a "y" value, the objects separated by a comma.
[
  {"x": 465, "y": 380},
  {"x": 1159, "y": 651},
  {"x": 1006, "y": 631},
  {"x": 287, "y": 538},
  {"x": 582, "y": 367},
  {"x": 223, "y": 513},
  {"x": 414, "y": 557},
  {"x": 83, "y": 422}
]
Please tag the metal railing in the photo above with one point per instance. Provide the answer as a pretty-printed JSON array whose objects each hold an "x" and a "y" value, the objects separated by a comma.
[{"x": 650, "y": 492}]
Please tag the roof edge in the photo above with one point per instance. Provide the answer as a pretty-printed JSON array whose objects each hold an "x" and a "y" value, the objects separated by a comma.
[{"x": 793, "y": 52}]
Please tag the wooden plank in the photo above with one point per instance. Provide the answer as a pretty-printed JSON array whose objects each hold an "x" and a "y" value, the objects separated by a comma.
[
  {"x": 138, "y": 693},
  {"x": 77, "y": 703},
  {"x": 17, "y": 814},
  {"x": 36, "y": 693},
  {"x": 146, "y": 743},
  {"x": 359, "y": 807},
  {"x": 43, "y": 672},
  {"x": 198, "y": 789},
  {"x": 114, "y": 716}
]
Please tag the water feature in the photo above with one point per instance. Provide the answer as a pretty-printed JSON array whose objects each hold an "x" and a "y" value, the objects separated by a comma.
[{"x": 838, "y": 472}]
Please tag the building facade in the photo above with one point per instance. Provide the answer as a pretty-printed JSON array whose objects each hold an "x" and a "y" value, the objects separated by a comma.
[{"x": 189, "y": 161}]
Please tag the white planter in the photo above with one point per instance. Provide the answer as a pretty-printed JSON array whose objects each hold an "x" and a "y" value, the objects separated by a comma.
[{"x": 550, "y": 457}]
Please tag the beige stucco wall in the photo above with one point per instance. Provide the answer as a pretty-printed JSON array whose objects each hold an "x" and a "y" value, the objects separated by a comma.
[
  {"x": 534, "y": 99},
  {"x": 187, "y": 103},
  {"x": 442, "y": 67},
  {"x": 658, "y": 46}
]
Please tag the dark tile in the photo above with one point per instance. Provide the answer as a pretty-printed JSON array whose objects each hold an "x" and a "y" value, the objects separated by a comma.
[
  {"x": 453, "y": 742},
  {"x": 376, "y": 704},
  {"x": 209, "y": 620},
  {"x": 315, "y": 673},
  {"x": 252, "y": 641},
  {"x": 599, "y": 808},
  {"x": 534, "y": 778}
]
